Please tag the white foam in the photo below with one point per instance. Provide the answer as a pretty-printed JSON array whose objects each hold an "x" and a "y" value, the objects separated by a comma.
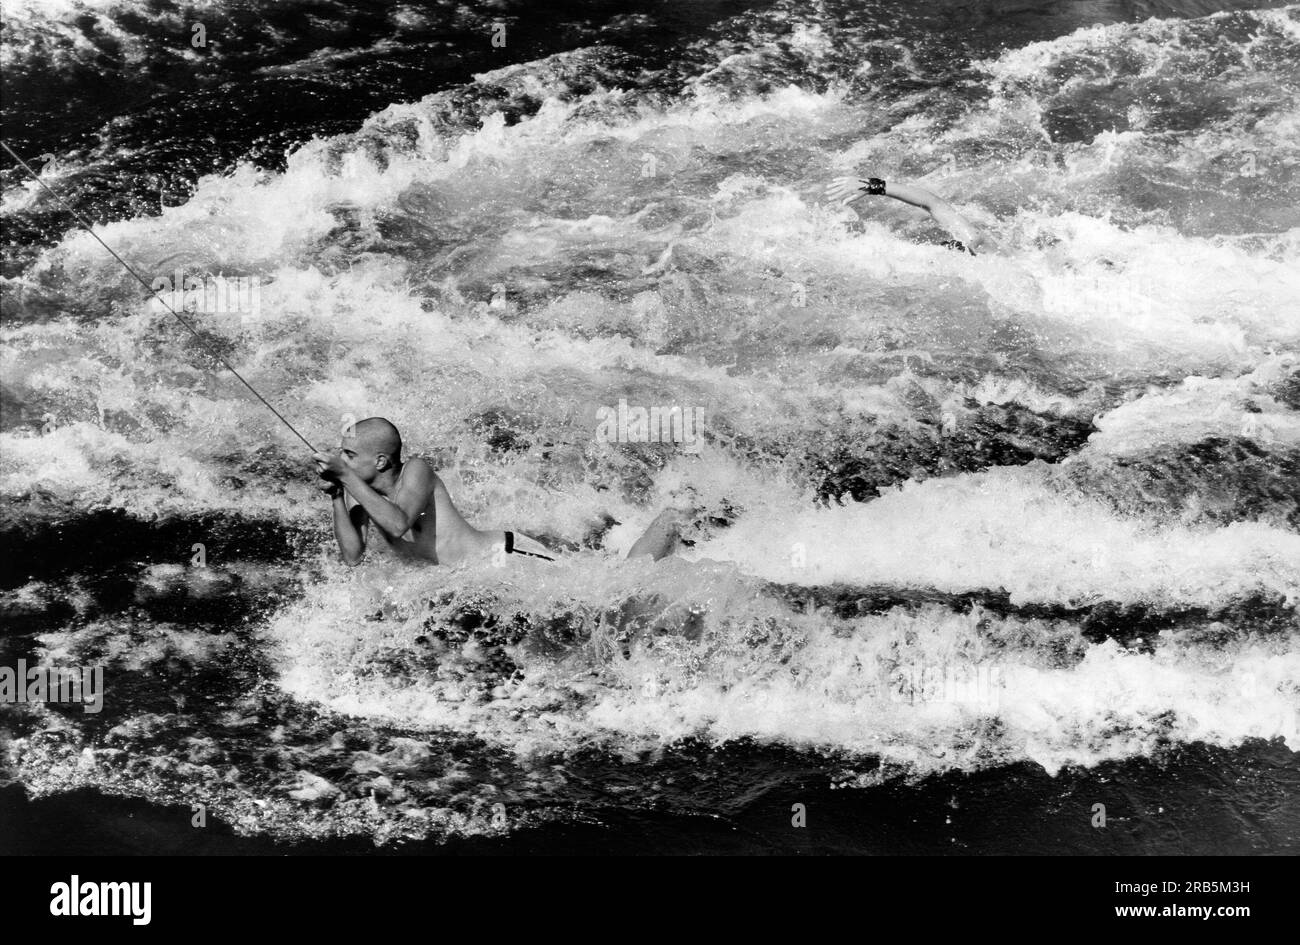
[
  {"x": 927, "y": 690},
  {"x": 1200, "y": 408},
  {"x": 1011, "y": 529}
]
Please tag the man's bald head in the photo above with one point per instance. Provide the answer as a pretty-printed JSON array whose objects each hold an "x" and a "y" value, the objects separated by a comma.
[
  {"x": 375, "y": 434},
  {"x": 372, "y": 446}
]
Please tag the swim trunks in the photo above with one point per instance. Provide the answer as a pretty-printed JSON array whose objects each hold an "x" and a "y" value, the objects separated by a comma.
[{"x": 513, "y": 548}]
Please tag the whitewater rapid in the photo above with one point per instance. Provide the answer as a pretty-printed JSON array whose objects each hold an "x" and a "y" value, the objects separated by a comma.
[{"x": 1102, "y": 418}]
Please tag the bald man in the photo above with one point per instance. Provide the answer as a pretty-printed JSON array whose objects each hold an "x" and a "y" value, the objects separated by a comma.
[{"x": 412, "y": 512}]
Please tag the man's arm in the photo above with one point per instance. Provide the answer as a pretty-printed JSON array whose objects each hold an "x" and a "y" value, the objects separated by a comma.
[
  {"x": 396, "y": 515},
  {"x": 349, "y": 527},
  {"x": 848, "y": 189}
]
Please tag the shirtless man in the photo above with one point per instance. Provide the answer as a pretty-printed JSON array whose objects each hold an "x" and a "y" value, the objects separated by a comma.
[
  {"x": 412, "y": 512},
  {"x": 967, "y": 237}
]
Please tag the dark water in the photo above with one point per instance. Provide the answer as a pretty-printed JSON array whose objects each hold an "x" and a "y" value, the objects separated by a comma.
[{"x": 990, "y": 541}]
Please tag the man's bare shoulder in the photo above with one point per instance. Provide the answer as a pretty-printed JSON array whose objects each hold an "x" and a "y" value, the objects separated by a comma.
[
  {"x": 418, "y": 475},
  {"x": 416, "y": 471}
]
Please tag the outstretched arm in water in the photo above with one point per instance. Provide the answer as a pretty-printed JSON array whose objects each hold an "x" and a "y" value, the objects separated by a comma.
[{"x": 848, "y": 189}]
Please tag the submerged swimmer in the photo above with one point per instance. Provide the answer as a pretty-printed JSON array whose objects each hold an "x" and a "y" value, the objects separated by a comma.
[
  {"x": 412, "y": 512},
  {"x": 967, "y": 237}
]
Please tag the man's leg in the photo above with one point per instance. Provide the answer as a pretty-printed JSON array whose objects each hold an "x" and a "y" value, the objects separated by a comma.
[{"x": 660, "y": 539}]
